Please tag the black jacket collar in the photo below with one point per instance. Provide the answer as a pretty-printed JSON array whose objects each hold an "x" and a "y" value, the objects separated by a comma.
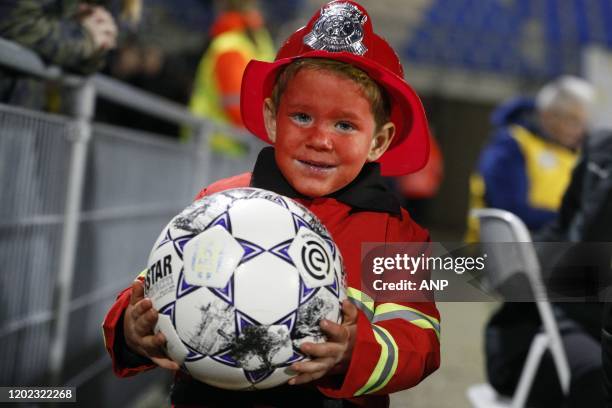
[{"x": 368, "y": 192}]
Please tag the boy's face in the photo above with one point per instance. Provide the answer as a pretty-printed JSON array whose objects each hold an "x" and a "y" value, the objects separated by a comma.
[{"x": 324, "y": 132}]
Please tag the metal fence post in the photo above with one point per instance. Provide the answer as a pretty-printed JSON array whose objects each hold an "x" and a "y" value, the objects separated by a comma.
[
  {"x": 83, "y": 111},
  {"x": 202, "y": 157}
]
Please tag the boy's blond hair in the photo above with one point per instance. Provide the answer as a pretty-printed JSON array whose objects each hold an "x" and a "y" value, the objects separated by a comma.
[{"x": 379, "y": 101}]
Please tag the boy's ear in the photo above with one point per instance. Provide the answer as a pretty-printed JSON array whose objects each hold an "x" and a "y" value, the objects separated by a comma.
[
  {"x": 269, "y": 114},
  {"x": 381, "y": 141}
]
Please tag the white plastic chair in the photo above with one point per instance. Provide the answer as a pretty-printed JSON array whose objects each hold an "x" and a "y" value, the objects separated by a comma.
[{"x": 502, "y": 226}]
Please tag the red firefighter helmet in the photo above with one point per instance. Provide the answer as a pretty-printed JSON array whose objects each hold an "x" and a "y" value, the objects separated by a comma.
[{"x": 342, "y": 31}]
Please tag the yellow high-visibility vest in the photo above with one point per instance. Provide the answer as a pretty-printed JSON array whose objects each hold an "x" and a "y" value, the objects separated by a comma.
[
  {"x": 548, "y": 167},
  {"x": 206, "y": 99}
]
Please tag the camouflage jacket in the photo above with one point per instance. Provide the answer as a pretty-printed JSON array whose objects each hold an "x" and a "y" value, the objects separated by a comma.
[{"x": 51, "y": 29}]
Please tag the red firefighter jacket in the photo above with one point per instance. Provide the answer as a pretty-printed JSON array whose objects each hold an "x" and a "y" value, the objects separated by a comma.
[{"x": 397, "y": 344}]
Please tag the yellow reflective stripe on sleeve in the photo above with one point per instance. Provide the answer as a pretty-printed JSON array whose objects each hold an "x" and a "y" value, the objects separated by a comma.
[
  {"x": 386, "y": 365},
  {"x": 142, "y": 274},
  {"x": 362, "y": 301},
  {"x": 388, "y": 311},
  {"x": 393, "y": 307}
]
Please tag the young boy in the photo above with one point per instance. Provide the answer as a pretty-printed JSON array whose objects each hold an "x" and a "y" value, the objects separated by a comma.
[{"x": 338, "y": 112}]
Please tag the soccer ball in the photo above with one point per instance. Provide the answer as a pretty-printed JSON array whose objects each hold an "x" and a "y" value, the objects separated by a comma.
[{"x": 241, "y": 279}]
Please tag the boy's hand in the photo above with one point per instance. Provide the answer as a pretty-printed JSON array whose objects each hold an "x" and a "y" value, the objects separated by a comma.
[
  {"x": 138, "y": 324},
  {"x": 331, "y": 357}
]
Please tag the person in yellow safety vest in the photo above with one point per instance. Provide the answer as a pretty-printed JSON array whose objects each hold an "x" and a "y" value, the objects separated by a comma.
[
  {"x": 527, "y": 165},
  {"x": 526, "y": 169},
  {"x": 238, "y": 36}
]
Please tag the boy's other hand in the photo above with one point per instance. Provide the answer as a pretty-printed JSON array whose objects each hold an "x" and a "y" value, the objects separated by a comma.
[
  {"x": 138, "y": 324},
  {"x": 332, "y": 356}
]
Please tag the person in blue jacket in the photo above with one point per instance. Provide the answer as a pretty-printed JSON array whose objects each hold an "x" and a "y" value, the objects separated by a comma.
[
  {"x": 526, "y": 166},
  {"x": 526, "y": 169}
]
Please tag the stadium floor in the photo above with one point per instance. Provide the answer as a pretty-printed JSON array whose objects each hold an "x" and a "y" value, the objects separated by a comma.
[{"x": 462, "y": 359}]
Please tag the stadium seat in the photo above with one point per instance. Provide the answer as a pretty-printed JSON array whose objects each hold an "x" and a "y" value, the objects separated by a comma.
[{"x": 506, "y": 263}]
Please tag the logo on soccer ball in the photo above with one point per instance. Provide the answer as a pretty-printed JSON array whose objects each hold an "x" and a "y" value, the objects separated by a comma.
[
  {"x": 315, "y": 259},
  {"x": 339, "y": 28}
]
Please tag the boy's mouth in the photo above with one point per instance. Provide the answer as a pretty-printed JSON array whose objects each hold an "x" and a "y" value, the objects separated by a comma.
[{"x": 316, "y": 166}]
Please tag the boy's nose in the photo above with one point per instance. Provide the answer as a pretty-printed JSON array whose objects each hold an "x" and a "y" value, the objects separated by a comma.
[{"x": 320, "y": 140}]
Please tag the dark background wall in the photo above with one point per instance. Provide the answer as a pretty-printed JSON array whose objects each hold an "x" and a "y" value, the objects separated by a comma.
[{"x": 461, "y": 129}]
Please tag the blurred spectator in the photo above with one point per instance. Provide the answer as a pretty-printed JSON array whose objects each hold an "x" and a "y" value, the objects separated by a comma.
[
  {"x": 237, "y": 36},
  {"x": 74, "y": 35},
  {"x": 588, "y": 199},
  {"x": 527, "y": 165},
  {"x": 593, "y": 222},
  {"x": 586, "y": 217},
  {"x": 562, "y": 108},
  {"x": 146, "y": 66}
]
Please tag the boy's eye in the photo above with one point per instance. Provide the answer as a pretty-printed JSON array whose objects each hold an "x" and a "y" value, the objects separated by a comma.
[
  {"x": 301, "y": 118},
  {"x": 345, "y": 126}
]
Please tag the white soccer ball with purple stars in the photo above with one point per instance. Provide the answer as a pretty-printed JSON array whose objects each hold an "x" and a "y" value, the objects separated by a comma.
[{"x": 241, "y": 279}]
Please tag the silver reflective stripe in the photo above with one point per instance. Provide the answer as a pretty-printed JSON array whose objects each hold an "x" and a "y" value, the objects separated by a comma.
[
  {"x": 388, "y": 364},
  {"x": 405, "y": 315},
  {"x": 361, "y": 306}
]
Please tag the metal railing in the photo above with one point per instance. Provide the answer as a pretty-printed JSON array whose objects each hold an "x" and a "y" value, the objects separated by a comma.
[{"x": 80, "y": 207}]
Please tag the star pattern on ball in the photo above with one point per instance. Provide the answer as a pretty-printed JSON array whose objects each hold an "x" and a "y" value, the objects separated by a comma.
[
  {"x": 182, "y": 287},
  {"x": 251, "y": 250},
  {"x": 223, "y": 220},
  {"x": 282, "y": 251},
  {"x": 250, "y": 334},
  {"x": 178, "y": 242}
]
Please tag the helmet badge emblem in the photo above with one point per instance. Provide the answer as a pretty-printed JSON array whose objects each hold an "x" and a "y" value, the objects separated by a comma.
[{"x": 339, "y": 28}]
